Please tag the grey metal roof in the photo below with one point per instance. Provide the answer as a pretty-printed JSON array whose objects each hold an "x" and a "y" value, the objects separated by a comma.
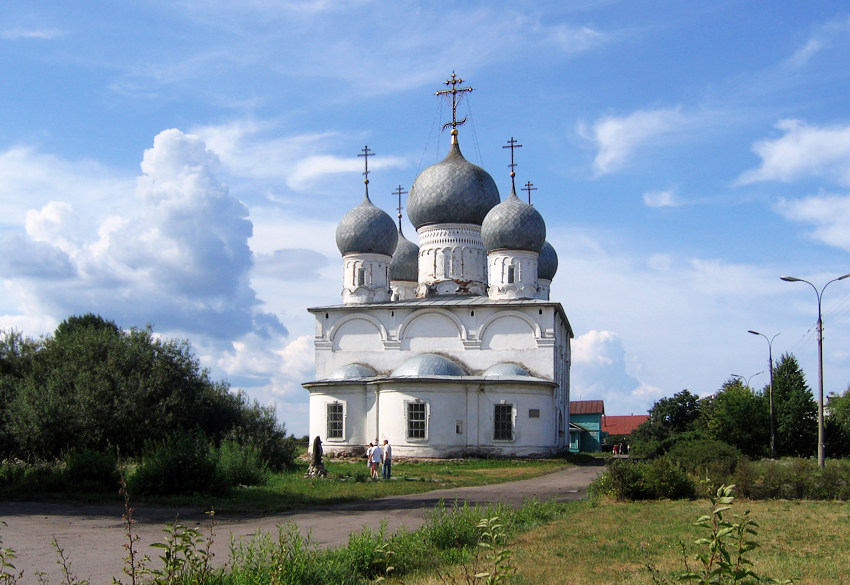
[
  {"x": 513, "y": 225},
  {"x": 405, "y": 262},
  {"x": 505, "y": 369},
  {"x": 366, "y": 229},
  {"x": 428, "y": 364},
  {"x": 547, "y": 262},
  {"x": 352, "y": 372},
  {"x": 452, "y": 191}
]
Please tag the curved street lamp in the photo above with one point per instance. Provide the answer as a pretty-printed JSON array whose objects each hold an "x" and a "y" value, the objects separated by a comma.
[
  {"x": 747, "y": 379},
  {"x": 770, "y": 395},
  {"x": 820, "y": 358}
]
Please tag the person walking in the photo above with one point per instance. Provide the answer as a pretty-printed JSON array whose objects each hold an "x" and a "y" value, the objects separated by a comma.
[
  {"x": 375, "y": 458},
  {"x": 369, "y": 456},
  {"x": 387, "y": 469}
]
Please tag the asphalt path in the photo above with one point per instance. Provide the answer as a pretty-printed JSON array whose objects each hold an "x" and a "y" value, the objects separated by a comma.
[{"x": 92, "y": 537}]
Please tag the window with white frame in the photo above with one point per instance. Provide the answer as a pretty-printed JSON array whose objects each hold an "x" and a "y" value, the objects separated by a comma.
[
  {"x": 417, "y": 418},
  {"x": 334, "y": 418},
  {"x": 503, "y": 422}
]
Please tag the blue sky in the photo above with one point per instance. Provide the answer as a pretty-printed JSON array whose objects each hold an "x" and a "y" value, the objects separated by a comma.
[{"x": 184, "y": 164}]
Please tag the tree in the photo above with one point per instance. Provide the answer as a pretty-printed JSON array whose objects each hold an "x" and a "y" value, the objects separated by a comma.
[
  {"x": 670, "y": 420},
  {"x": 95, "y": 386},
  {"x": 837, "y": 423},
  {"x": 795, "y": 409},
  {"x": 739, "y": 417}
]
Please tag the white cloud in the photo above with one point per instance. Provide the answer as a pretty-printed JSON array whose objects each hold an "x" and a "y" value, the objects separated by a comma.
[
  {"x": 617, "y": 138},
  {"x": 803, "y": 151},
  {"x": 20, "y": 32},
  {"x": 823, "y": 38},
  {"x": 667, "y": 198},
  {"x": 829, "y": 214}
]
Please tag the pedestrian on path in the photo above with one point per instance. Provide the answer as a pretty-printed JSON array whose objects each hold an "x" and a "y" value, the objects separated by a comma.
[
  {"x": 388, "y": 460},
  {"x": 375, "y": 458}
]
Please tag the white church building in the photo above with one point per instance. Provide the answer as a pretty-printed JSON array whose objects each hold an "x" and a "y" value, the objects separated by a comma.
[{"x": 452, "y": 347}]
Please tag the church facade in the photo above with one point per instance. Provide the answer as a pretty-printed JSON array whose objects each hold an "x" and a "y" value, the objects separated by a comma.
[{"x": 452, "y": 347}]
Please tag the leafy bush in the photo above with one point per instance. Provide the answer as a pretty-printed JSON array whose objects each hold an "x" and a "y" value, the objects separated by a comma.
[
  {"x": 92, "y": 471},
  {"x": 643, "y": 480},
  {"x": 665, "y": 478},
  {"x": 184, "y": 463},
  {"x": 240, "y": 464},
  {"x": 706, "y": 458}
]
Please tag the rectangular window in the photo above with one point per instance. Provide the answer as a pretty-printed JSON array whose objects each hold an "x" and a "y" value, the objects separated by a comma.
[
  {"x": 334, "y": 420},
  {"x": 533, "y": 413},
  {"x": 416, "y": 418},
  {"x": 503, "y": 424}
]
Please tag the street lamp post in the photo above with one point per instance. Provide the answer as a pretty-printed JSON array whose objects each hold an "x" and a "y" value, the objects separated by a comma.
[
  {"x": 820, "y": 358},
  {"x": 747, "y": 379},
  {"x": 770, "y": 394}
]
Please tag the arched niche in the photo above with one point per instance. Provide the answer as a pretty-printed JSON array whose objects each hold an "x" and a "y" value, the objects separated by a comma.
[
  {"x": 358, "y": 333},
  {"x": 509, "y": 331},
  {"x": 432, "y": 330}
]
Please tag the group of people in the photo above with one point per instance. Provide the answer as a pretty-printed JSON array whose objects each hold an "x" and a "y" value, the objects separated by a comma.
[{"x": 380, "y": 456}]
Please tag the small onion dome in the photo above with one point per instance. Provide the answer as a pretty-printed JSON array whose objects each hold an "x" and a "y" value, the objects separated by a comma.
[
  {"x": 547, "y": 262},
  {"x": 405, "y": 262},
  {"x": 451, "y": 191},
  {"x": 352, "y": 372},
  {"x": 366, "y": 230},
  {"x": 505, "y": 369},
  {"x": 513, "y": 225},
  {"x": 428, "y": 364}
]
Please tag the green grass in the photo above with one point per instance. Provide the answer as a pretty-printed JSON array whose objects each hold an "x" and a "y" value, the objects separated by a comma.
[{"x": 347, "y": 481}]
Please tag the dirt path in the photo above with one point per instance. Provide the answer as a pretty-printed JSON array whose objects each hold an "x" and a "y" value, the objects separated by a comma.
[{"x": 93, "y": 536}]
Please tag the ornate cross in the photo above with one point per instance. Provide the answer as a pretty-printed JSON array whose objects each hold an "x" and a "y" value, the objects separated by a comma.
[
  {"x": 456, "y": 93},
  {"x": 529, "y": 187},
  {"x": 366, "y": 154},
  {"x": 399, "y": 191},
  {"x": 512, "y": 144}
]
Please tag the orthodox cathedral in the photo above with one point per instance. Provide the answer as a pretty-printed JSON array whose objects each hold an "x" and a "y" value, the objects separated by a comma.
[{"x": 452, "y": 347}]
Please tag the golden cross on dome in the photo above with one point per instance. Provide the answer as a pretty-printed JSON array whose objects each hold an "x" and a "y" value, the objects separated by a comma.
[
  {"x": 366, "y": 154},
  {"x": 512, "y": 144},
  {"x": 529, "y": 187},
  {"x": 399, "y": 191},
  {"x": 456, "y": 94}
]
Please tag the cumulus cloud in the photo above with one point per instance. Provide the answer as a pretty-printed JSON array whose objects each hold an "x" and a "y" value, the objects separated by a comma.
[
  {"x": 803, "y": 151},
  {"x": 183, "y": 263},
  {"x": 599, "y": 372},
  {"x": 617, "y": 138},
  {"x": 828, "y": 214},
  {"x": 667, "y": 198}
]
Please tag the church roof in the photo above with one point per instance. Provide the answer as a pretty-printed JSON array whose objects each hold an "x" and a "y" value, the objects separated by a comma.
[
  {"x": 352, "y": 372},
  {"x": 405, "y": 262},
  {"x": 366, "y": 229},
  {"x": 428, "y": 364},
  {"x": 513, "y": 225},
  {"x": 505, "y": 369},
  {"x": 587, "y": 407},
  {"x": 452, "y": 191},
  {"x": 547, "y": 262}
]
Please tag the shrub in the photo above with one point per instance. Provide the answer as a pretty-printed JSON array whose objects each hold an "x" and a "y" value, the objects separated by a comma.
[
  {"x": 451, "y": 527},
  {"x": 92, "y": 471},
  {"x": 184, "y": 464},
  {"x": 240, "y": 464},
  {"x": 665, "y": 478},
  {"x": 706, "y": 458}
]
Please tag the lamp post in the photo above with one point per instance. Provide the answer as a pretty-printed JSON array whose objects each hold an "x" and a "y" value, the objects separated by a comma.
[
  {"x": 747, "y": 379},
  {"x": 820, "y": 358},
  {"x": 770, "y": 394}
]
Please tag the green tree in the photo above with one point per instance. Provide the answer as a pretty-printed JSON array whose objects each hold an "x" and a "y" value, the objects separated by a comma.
[
  {"x": 739, "y": 417},
  {"x": 671, "y": 419},
  {"x": 95, "y": 386},
  {"x": 795, "y": 409},
  {"x": 837, "y": 423}
]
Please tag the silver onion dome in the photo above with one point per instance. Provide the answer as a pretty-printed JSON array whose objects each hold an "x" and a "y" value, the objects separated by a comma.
[
  {"x": 513, "y": 225},
  {"x": 366, "y": 230},
  {"x": 452, "y": 191},
  {"x": 428, "y": 364},
  {"x": 405, "y": 262},
  {"x": 505, "y": 369},
  {"x": 547, "y": 262}
]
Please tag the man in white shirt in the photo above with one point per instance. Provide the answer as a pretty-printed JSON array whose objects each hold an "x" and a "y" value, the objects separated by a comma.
[
  {"x": 388, "y": 460},
  {"x": 375, "y": 457}
]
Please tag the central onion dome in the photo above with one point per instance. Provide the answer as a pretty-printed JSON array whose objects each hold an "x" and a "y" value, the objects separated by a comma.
[
  {"x": 366, "y": 230},
  {"x": 513, "y": 225},
  {"x": 405, "y": 262},
  {"x": 452, "y": 191},
  {"x": 547, "y": 262}
]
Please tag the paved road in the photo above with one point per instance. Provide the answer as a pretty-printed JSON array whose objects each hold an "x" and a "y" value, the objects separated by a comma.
[{"x": 92, "y": 536}]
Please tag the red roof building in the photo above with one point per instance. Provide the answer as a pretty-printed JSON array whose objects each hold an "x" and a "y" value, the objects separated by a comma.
[{"x": 622, "y": 425}]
